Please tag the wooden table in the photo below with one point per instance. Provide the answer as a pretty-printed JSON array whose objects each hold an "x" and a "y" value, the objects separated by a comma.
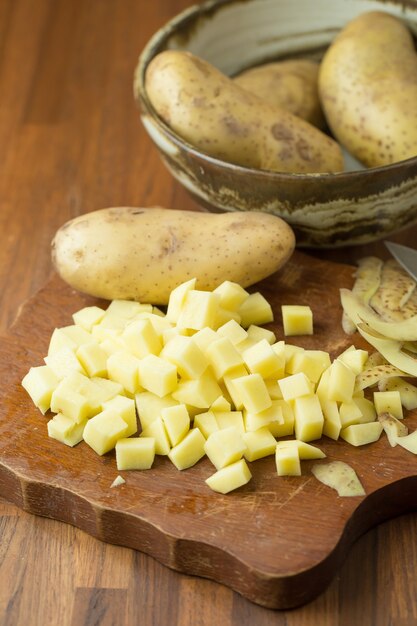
[{"x": 71, "y": 142}]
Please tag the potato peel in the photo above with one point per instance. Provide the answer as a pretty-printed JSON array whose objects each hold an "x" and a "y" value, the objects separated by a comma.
[
  {"x": 367, "y": 279},
  {"x": 390, "y": 349},
  {"x": 339, "y": 476}
]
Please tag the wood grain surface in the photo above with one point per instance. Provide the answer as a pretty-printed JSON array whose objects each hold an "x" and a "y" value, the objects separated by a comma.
[{"x": 71, "y": 142}]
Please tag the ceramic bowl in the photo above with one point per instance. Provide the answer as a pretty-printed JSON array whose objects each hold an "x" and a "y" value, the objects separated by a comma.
[{"x": 325, "y": 210}]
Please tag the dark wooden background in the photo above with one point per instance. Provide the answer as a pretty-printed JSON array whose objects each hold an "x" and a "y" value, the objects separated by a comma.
[{"x": 71, "y": 142}]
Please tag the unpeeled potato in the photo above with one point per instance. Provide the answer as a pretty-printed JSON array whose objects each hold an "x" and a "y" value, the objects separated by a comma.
[
  {"x": 223, "y": 120},
  {"x": 143, "y": 254},
  {"x": 368, "y": 89},
  {"x": 291, "y": 85}
]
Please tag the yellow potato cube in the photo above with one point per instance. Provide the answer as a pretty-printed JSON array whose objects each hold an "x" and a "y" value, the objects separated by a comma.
[
  {"x": 63, "y": 362},
  {"x": 361, "y": 434},
  {"x": 223, "y": 316},
  {"x": 199, "y": 310},
  {"x": 106, "y": 389},
  {"x": 408, "y": 392},
  {"x": 367, "y": 409},
  {"x": 68, "y": 337},
  {"x": 349, "y": 413},
  {"x": 287, "y": 427},
  {"x": 257, "y": 333},
  {"x": 262, "y": 359},
  {"x": 125, "y": 407},
  {"x": 259, "y": 443},
  {"x": 388, "y": 402},
  {"x": 185, "y": 354},
  {"x": 159, "y": 323},
  {"x": 141, "y": 338},
  {"x": 244, "y": 345},
  {"x": 93, "y": 359},
  {"x": 289, "y": 352},
  {"x": 149, "y": 406},
  {"x": 252, "y": 392},
  {"x": 255, "y": 310},
  {"x": 223, "y": 357},
  {"x": 65, "y": 430},
  {"x": 177, "y": 422},
  {"x": 287, "y": 461},
  {"x": 123, "y": 368},
  {"x": 332, "y": 422},
  {"x": 156, "y": 430},
  {"x": 40, "y": 382},
  {"x": 226, "y": 419},
  {"x": 312, "y": 362},
  {"x": 308, "y": 418},
  {"x": 224, "y": 447},
  {"x": 126, "y": 309},
  {"x": 157, "y": 375},
  {"x": 221, "y": 404},
  {"x": 297, "y": 319},
  {"x": 206, "y": 423},
  {"x": 103, "y": 430},
  {"x": 229, "y": 478},
  {"x": 341, "y": 382},
  {"x": 199, "y": 393},
  {"x": 295, "y": 386},
  {"x": 189, "y": 451},
  {"x": 267, "y": 417},
  {"x": 88, "y": 317},
  {"x": 232, "y": 331},
  {"x": 204, "y": 337},
  {"x": 228, "y": 381},
  {"x": 231, "y": 295},
  {"x": 71, "y": 403},
  {"x": 274, "y": 389},
  {"x": 135, "y": 453},
  {"x": 177, "y": 299},
  {"x": 172, "y": 332},
  {"x": 110, "y": 345},
  {"x": 355, "y": 359},
  {"x": 305, "y": 450}
]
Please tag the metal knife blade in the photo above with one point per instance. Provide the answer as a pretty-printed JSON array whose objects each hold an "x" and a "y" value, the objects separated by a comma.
[{"x": 406, "y": 257}]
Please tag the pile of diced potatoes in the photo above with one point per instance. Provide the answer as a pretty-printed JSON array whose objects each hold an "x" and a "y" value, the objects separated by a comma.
[{"x": 203, "y": 379}]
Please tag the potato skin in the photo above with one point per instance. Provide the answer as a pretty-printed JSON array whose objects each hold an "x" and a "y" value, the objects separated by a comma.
[
  {"x": 291, "y": 85},
  {"x": 223, "y": 120},
  {"x": 142, "y": 254},
  {"x": 368, "y": 88}
]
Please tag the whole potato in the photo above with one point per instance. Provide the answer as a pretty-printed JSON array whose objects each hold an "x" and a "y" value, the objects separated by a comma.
[
  {"x": 142, "y": 254},
  {"x": 220, "y": 118},
  {"x": 368, "y": 88},
  {"x": 291, "y": 85}
]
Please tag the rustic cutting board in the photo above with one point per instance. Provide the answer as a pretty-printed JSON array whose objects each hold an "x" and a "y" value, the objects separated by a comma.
[{"x": 277, "y": 541}]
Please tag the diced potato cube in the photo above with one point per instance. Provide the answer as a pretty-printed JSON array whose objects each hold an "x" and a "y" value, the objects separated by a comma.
[
  {"x": 287, "y": 461},
  {"x": 63, "y": 362},
  {"x": 349, "y": 413},
  {"x": 361, "y": 434},
  {"x": 107, "y": 389},
  {"x": 68, "y": 337},
  {"x": 295, "y": 386},
  {"x": 126, "y": 309},
  {"x": 355, "y": 359},
  {"x": 305, "y": 450},
  {"x": 156, "y": 429},
  {"x": 226, "y": 419},
  {"x": 289, "y": 352},
  {"x": 229, "y": 478},
  {"x": 244, "y": 345},
  {"x": 177, "y": 299},
  {"x": 287, "y": 427},
  {"x": 177, "y": 422},
  {"x": 224, "y": 447},
  {"x": 308, "y": 418},
  {"x": 125, "y": 407},
  {"x": 65, "y": 430},
  {"x": 231, "y": 295},
  {"x": 341, "y": 382},
  {"x": 141, "y": 338},
  {"x": 367, "y": 409},
  {"x": 40, "y": 382},
  {"x": 259, "y": 443},
  {"x": 252, "y": 392},
  {"x": 388, "y": 402},
  {"x": 199, "y": 310},
  {"x": 123, "y": 368},
  {"x": 221, "y": 404},
  {"x": 262, "y": 359},
  {"x": 311, "y": 362},
  {"x": 159, "y": 323},
  {"x": 223, "y": 357},
  {"x": 223, "y": 316},
  {"x": 255, "y": 310},
  {"x": 200, "y": 393},
  {"x": 71, "y": 403},
  {"x": 170, "y": 333},
  {"x": 189, "y": 451},
  {"x": 157, "y": 375},
  {"x": 257, "y": 333},
  {"x": 230, "y": 388},
  {"x": 271, "y": 415},
  {"x": 110, "y": 345},
  {"x": 103, "y": 430},
  {"x": 408, "y": 392},
  {"x": 274, "y": 389},
  {"x": 332, "y": 422},
  {"x": 297, "y": 319},
  {"x": 206, "y": 422},
  {"x": 232, "y": 331},
  {"x": 135, "y": 453},
  {"x": 93, "y": 359},
  {"x": 88, "y": 317},
  {"x": 185, "y": 354},
  {"x": 204, "y": 337},
  {"x": 149, "y": 406}
]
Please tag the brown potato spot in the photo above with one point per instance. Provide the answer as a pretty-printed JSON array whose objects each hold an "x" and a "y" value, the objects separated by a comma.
[{"x": 281, "y": 132}]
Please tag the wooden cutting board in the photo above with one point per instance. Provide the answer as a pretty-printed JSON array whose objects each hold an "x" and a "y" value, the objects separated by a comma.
[{"x": 277, "y": 541}]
